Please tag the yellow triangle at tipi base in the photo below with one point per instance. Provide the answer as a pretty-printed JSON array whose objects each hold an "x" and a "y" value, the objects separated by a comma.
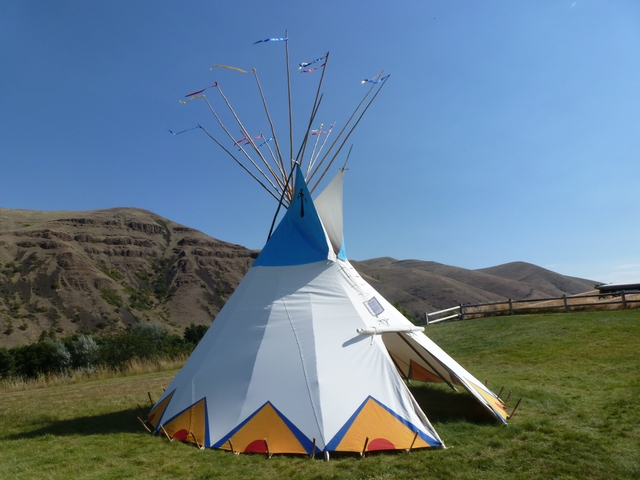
[
  {"x": 189, "y": 426},
  {"x": 267, "y": 425},
  {"x": 156, "y": 413},
  {"x": 383, "y": 429}
]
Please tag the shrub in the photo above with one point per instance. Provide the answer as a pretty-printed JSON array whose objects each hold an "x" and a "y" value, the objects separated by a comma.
[
  {"x": 62, "y": 355},
  {"x": 7, "y": 363},
  {"x": 84, "y": 352},
  {"x": 37, "y": 359},
  {"x": 154, "y": 332},
  {"x": 174, "y": 346},
  {"x": 194, "y": 333},
  {"x": 143, "y": 341},
  {"x": 140, "y": 299},
  {"x": 112, "y": 273},
  {"x": 118, "y": 351},
  {"x": 111, "y": 297}
]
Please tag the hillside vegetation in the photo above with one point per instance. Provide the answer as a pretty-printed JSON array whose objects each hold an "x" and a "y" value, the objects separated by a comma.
[
  {"x": 99, "y": 272},
  {"x": 579, "y": 418},
  {"x": 420, "y": 286}
]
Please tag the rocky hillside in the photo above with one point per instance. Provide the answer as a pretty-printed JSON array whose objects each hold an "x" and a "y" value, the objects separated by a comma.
[
  {"x": 420, "y": 286},
  {"x": 99, "y": 271},
  {"x": 65, "y": 272}
]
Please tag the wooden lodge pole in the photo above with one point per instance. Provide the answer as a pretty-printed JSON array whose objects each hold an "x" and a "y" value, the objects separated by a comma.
[
  {"x": 144, "y": 424},
  {"x": 415, "y": 437},
  {"x": 515, "y": 408},
  {"x": 201, "y": 447},
  {"x": 165, "y": 433},
  {"x": 364, "y": 449},
  {"x": 266, "y": 444}
]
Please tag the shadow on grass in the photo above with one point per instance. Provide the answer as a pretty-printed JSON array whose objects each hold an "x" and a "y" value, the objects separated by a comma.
[
  {"x": 442, "y": 405},
  {"x": 106, "y": 424}
]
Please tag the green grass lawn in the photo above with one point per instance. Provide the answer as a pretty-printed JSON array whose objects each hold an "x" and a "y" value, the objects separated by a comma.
[{"x": 578, "y": 374}]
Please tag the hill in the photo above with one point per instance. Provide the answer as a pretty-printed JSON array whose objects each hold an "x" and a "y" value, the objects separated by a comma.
[
  {"x": 421, "y": 286},
  {"x": 64, "y": 272}
]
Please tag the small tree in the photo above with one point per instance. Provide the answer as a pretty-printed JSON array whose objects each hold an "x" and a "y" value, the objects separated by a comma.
[
  {"x": 61, "y": 356},
  {"x": 34, "y": 360},
  {"x": 7, "y": 363},
  {"x": 153, "y": 332},
  {"x": 85, "y": 352},
  {"x": 194, "y": 333}
]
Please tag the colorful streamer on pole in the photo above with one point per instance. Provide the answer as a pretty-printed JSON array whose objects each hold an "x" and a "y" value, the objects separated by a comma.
[
  {"x": 246, "y": 141},
  {"x": 229, "y": 67},
  {"x": 187, "y": 130},
  {"x": 265, "y": 142},
  {"x": 200, "y": 91},
  {"x": 306, "y": 64},
  {"x": 374, "y": 80},
  {"x": 192, "y": 98},
  {"x": 283, "y": 39},
  {"x": 276, "y": 179}
]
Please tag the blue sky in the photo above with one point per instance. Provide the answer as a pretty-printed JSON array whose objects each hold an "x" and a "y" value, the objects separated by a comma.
[{"x": 508, "y": 130}]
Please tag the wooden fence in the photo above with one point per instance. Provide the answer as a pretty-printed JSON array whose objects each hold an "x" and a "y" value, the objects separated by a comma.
[{"x": 588, "y": 302}]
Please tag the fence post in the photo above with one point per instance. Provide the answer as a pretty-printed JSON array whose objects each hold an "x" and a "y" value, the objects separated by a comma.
[
  {"x": 510, "y": 307},
  {"x": 564, "y": 300},
  {"x": 461, "y": 312},
  {"x": 427, "y": 317},
  {"x": 624, "y": 300}
]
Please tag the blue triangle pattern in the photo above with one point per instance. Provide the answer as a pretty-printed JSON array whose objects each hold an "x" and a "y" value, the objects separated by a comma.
[{"x": 299, "y": 239}]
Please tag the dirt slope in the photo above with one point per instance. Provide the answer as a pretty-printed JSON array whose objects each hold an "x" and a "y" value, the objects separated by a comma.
[
  {"x": 99, "y": 271},
  {"x": 422, "y": 286}
]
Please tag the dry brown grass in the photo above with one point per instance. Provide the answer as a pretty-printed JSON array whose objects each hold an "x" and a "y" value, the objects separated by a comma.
[
  {"x": 588, "y": 301},
  {"x": 135, "y": 367}
]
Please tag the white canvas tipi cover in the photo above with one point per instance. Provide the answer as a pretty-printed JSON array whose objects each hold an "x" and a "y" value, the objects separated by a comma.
[{"x": 295, "y": 362}]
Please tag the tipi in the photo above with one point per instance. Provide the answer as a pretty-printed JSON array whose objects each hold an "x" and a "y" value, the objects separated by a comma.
[{"x": 306, "y": 357}]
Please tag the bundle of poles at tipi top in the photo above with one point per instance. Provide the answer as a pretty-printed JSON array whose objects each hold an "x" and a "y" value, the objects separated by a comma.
[{"x": 264, "y": 156}]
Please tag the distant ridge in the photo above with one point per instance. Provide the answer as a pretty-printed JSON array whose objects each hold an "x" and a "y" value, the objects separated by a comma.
[
  {"x": 65, "y": 272},
  {"x": 544, "y": 280},
  {"x": 423, "y": 286}
]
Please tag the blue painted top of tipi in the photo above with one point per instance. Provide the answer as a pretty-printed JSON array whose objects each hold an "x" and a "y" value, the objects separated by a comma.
[{"x": 299, "y": 238}]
